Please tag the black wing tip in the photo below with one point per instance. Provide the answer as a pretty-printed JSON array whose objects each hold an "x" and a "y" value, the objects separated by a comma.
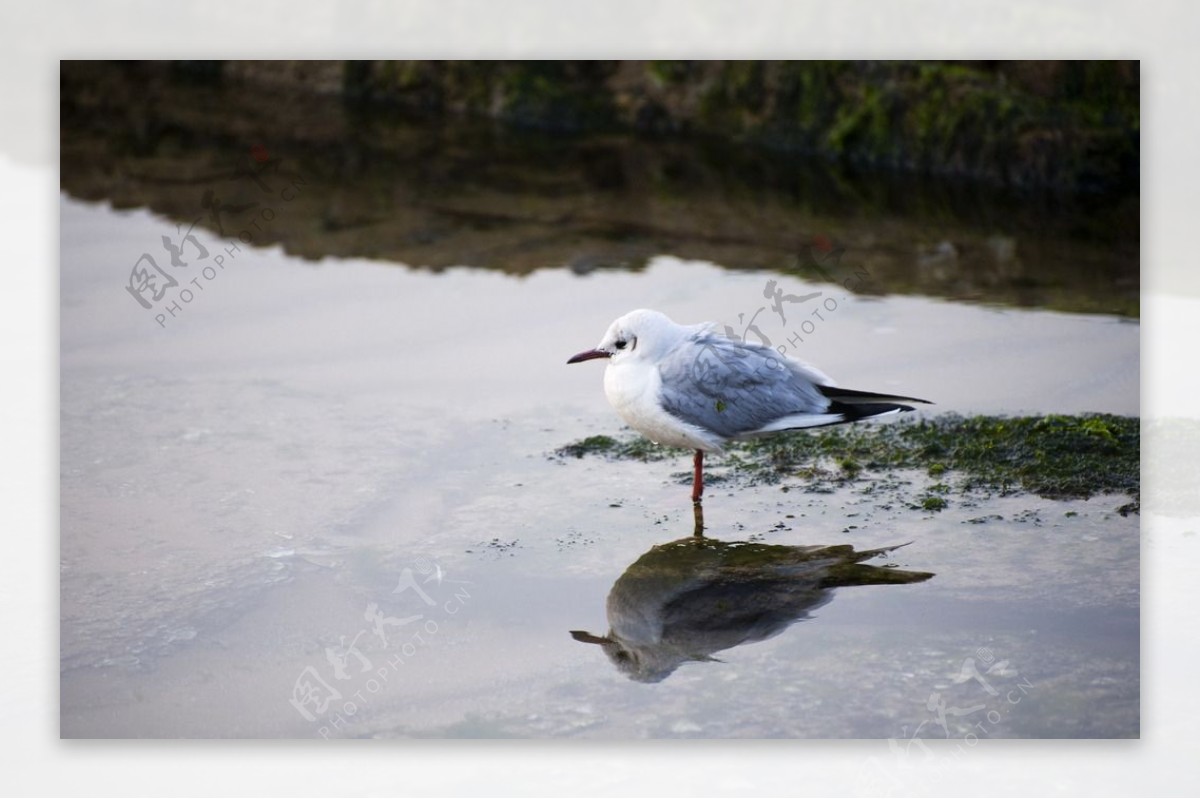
[
  {"x": 853, "y": 412},
  {"x": 852, "y": 396}
]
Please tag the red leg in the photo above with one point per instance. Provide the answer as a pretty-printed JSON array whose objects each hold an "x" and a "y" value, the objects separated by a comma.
[{"x": 698, "y": 476}]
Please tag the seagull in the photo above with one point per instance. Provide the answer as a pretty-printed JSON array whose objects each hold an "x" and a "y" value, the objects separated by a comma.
[{"x": 689, "y": 386}]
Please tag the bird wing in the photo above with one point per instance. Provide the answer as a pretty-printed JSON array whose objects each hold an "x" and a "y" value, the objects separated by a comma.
[{"x": 735, "y": 388}]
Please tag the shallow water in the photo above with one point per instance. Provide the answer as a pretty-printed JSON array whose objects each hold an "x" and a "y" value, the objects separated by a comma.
[{"x": 308, "y": 456}]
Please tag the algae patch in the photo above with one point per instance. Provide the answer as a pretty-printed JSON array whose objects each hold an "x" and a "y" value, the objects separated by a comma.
[
  {"x": 1055, "y": 456},
  {"x": 639, "y": 449}
]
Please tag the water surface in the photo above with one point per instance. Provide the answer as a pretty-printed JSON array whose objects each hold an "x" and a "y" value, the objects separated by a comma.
[{"x": 262, "y": 493}]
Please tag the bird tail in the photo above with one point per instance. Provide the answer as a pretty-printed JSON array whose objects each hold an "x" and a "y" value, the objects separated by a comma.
[
  {"x": 845, "y": 405},
  {"x": 854, "y": 405},
  {"x": 849, "y": 396},
  {"x": 850, "y": 569}
]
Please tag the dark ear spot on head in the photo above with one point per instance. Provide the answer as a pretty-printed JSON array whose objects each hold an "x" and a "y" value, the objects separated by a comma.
[{"x": 633, "y": 343}]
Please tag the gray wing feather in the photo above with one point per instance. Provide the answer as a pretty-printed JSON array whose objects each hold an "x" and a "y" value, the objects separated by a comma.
[{"x": 733, "y": 388}]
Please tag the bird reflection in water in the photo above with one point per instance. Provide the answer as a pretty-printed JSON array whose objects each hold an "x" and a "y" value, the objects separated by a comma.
[{"x": 685, "y": 600}]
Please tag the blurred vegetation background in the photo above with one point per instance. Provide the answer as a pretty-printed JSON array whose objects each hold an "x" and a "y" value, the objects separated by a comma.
[
  {"x": 1010, "y": 182},
  {"x": 1069, "y": 124}
]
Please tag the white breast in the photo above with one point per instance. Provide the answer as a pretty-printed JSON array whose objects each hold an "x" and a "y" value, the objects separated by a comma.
[{"x": 632, "y": 387}]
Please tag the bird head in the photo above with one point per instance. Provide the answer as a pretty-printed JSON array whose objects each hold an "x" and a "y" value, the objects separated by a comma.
[{"x": 638, "y": 334}]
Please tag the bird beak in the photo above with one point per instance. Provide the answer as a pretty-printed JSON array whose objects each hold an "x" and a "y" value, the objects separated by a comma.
[
  {"x": 588, "y": 638},
  {"x": 589, "y": 355}
]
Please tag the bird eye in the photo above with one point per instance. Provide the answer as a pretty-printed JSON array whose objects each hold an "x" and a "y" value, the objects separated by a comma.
[{"x": 620, "y": 344}]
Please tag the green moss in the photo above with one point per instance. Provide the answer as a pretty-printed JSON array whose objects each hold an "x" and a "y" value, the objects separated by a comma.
[
  {"x": 932, "y": 503},
  {"x": 1055, "y": 456},
  {"x": 629, "y": 449},
  {"x": 589, "y": 446}
]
